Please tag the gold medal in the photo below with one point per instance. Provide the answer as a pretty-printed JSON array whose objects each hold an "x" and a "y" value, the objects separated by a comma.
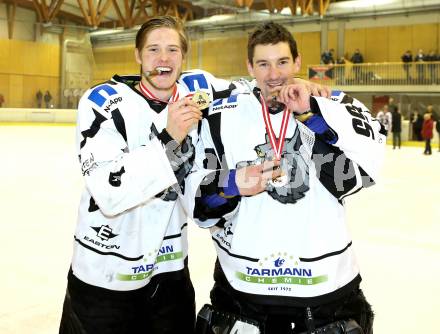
[
  {"x": 274, "y": 103},
  {"x": 279, "y": 181},
  {"x": 202, "y": 99}
]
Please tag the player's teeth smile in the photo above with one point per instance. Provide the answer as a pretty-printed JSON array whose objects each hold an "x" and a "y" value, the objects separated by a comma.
[{"x": 164, "y": 70}]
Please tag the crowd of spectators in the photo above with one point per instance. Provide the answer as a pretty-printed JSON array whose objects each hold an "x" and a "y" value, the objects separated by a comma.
[
  {"x": 47, "y": 97},
  {"x": 328, "y": 58},
  {"x": 421, "y": 68},
  {"x": 422, "y": 125},
  {"x": 427, "y": 66}
]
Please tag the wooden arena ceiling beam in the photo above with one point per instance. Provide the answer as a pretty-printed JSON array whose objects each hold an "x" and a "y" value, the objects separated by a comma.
[
  {"x": 129, "y": 13},
  {"x": 187, "y": 11},
  {"x": 84, "y": 13},
  {"x": 244, "y": 3},
  {"x": 269, "y": 5},
  {"x": 30, "y": 4},
  {"x": 306, "y": 7},
  {"x": 54, "y": 8},
  {"x": 119, "y": 13},
  {"x": 70, "y": 17},
  {"x": 10, "y": 13},
  {"x": 142, "y": 12},
  {"x": 169, "y": 8},
  {"x": 129, "y": 8},
  {"x": 323, "y": 6},
  {"x": 293, "y": 5},
  {"x": 93, "y": 14},
  {"x": 180, "y": 9},
  {"x": 134, "y": 12},
  {"x": 46, "y": 12},
  {"x": 278, "y": 5}
]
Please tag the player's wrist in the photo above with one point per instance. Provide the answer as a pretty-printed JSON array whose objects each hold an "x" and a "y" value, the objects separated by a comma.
[
  {"x": 174, "y": 135},
  {"x": 168, "y": 138},
  {"x": 230, "y": 188}
]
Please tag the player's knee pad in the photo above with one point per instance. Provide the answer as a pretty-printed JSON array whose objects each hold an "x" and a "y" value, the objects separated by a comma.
[
  {"x": 211, "y": 321},
  {"x": 338, "y": 327}
]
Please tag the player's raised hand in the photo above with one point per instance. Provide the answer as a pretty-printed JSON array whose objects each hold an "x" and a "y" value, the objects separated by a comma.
[
  {"x": 314, "y": 88},
  {"x": 252, "y": 180},
  {"x": 296, "y": 97},
  {"x": 182, "y": 115}
]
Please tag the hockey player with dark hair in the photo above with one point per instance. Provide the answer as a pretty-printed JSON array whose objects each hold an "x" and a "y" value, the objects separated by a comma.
[{"x": 272, "y": 170}]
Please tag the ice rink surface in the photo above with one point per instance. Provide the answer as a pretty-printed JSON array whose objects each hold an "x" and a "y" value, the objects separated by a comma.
[{"x": 395, "y": 227}]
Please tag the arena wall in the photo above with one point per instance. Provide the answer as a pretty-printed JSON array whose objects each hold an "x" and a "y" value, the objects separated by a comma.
[
  {"x": 68, "y": 116},
  {"x": 38, "y": 115}
]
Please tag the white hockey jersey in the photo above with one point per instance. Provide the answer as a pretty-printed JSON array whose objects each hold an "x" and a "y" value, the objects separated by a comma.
[
  {"x": 386, "y": 119},
  {"x": 290, "y": 241},
  {"x": 131, "y": 224}
]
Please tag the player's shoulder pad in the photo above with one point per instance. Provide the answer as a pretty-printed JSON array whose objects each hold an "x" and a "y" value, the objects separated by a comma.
[
  {"x": 201, "y": 80},
  {"x": 337, "y": 96},
  {"x": 194, "y": 71},
  {"x": 341, "y": 97},
  {"x": 103, "y": 96},
  {"x": 344, "y": 98},
  {"x": 243, "y": 85}
]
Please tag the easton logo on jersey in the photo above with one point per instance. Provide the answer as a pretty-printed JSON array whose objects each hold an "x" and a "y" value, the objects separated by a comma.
[
  {"x": 292, "y": 163},
  {"x": 104, "y": 232}
]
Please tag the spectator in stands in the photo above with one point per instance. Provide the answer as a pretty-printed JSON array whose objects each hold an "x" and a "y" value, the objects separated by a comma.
[
  {"x": 2, "y": 100},
  {"x": 396, "y": 128},
  {"x": 432, "y": 57},
  {"x": 340, "y": 73},
  {"x": 356, "y": 59},
  {"x": 47, "y": 99},
  {"x": 407, "y": 59},
  {"x": 419, "y": 59},
  {"x": 427, "y": 132},
  {"x": 327, "y": 57},
  {"x": 384, "y": 116},
  {"x": 39, "y": 97}
]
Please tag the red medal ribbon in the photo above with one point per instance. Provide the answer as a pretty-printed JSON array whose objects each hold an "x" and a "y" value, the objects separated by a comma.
[
  {"x": 276, "y": 143},
  {"x": 149, "y": 95}
]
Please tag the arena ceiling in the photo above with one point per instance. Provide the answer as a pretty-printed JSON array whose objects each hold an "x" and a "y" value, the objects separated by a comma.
[
  {"x": 205, "y": 14},
  {"x": 128, "y": 13}
]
